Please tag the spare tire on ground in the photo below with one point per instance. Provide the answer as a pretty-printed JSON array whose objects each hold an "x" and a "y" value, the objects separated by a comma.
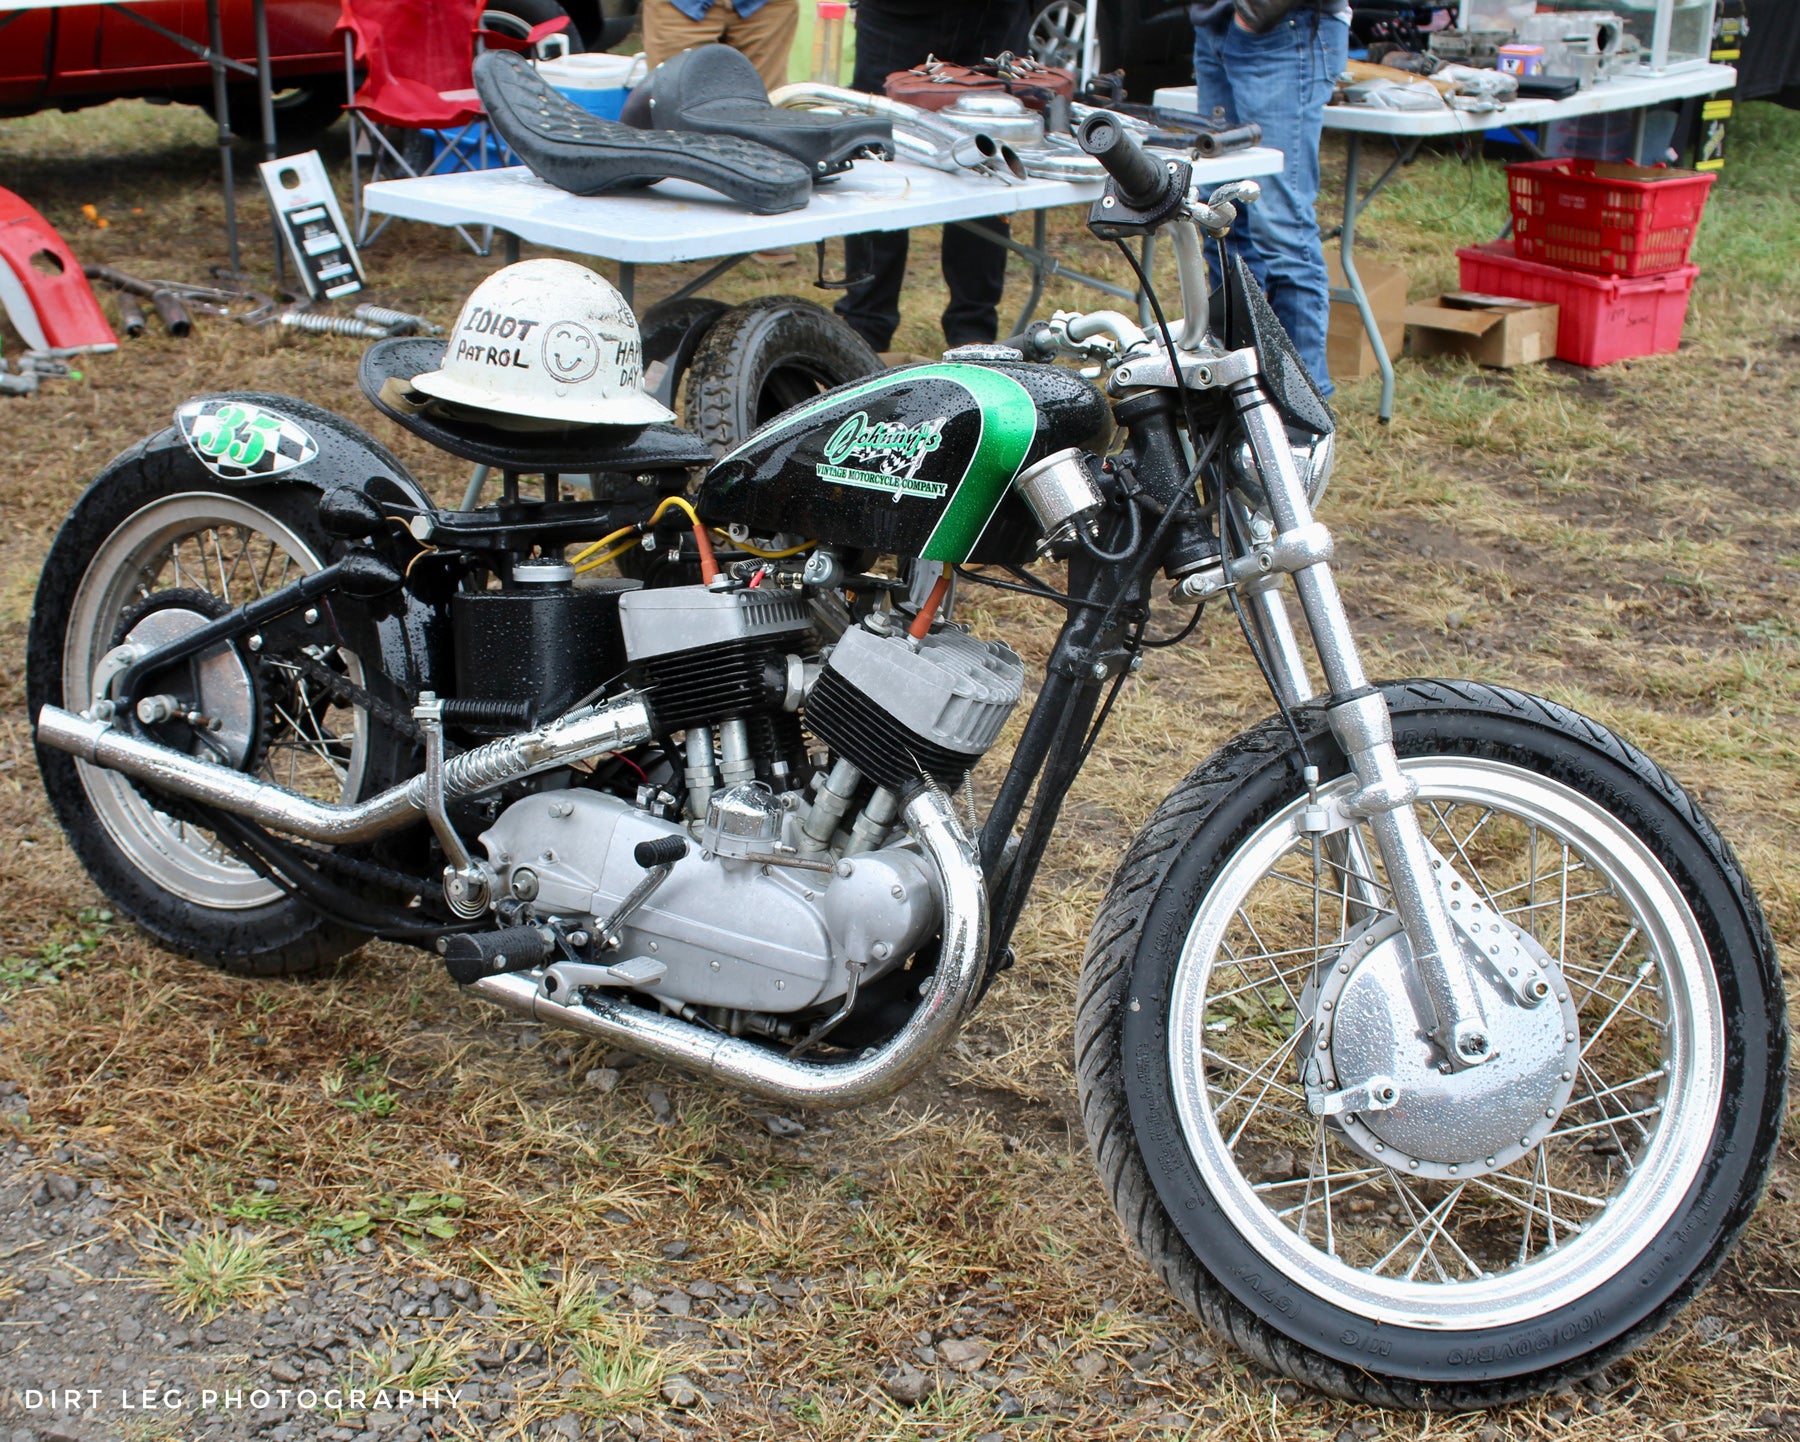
[{"x": 766, "y": 357}]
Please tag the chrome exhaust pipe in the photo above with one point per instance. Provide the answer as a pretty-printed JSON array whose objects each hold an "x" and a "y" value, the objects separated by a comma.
[
  {"x": 948, "y": 997},
  {"x": 614, "y": 725},
  {"x": 919, "y": 135}
]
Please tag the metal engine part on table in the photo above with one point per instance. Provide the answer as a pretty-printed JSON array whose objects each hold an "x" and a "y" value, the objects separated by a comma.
[
  {"x": 919, "y": 135},
  {"x": 738, "y": 933},
  {"x": 1005, "y": 117}
]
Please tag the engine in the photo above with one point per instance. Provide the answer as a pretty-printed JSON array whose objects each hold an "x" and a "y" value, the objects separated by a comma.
[{"x": 760, "y": 873}]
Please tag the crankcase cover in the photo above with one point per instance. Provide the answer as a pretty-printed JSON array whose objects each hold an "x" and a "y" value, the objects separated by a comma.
[
  {"x": 916, "y": 462},
  {"x": 731, "y": 933}
]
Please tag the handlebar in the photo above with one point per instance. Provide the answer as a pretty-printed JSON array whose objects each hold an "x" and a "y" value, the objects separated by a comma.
[{"x": 1143, "y": 182}]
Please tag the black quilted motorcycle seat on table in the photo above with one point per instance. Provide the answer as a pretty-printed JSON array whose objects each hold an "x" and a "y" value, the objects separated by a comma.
[
  {"x": 385, "y": 375},
  {"x": 715, "y": 90},
  {"x": 583, "y": 154}
]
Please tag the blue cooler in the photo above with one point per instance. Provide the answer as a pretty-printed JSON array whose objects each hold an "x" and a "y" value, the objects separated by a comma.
[{"x": 597, "y": 83}]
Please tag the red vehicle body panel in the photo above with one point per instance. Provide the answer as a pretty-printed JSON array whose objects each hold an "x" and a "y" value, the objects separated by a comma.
[{"x": 87, "y": 54}]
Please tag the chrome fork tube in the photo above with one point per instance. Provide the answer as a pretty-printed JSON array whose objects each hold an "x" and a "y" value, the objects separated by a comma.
[{"x": 1358, "y": 716}]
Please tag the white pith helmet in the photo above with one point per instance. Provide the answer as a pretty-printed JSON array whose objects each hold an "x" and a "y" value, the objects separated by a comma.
[{"x": 547, "y": 340}]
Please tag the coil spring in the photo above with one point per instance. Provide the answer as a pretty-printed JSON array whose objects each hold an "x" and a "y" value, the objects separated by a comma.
[
  {"x": 486, "y": 766},
  {"x": 332, "y": 325},
  {"x": 398, "y": 322}
]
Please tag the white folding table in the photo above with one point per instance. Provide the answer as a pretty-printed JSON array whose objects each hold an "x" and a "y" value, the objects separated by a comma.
[
  {"x": 1411, "y": 128},
  {"x": 213, "y": 53},
  {"x": 676, "y": 220}
]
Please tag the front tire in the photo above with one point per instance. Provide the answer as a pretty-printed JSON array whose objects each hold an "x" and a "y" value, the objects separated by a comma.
[{"x": 1511, "y": 1275}]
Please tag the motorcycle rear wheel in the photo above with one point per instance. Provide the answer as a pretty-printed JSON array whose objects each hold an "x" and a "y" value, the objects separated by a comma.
[
  {"x": 1503, "y": 1277},
  {"x": 155, "y": 525}
]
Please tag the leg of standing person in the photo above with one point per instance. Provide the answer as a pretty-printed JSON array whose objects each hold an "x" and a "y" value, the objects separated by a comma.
[
  {"x": 884, "y": 43},
  {"x": 766, "y": 37},
  {"x": 1215, "y": 99},
  {"x": 1281, "y": 80},
  {"x": 975, "y": 269},
  {"x": 669, "y": 28}
]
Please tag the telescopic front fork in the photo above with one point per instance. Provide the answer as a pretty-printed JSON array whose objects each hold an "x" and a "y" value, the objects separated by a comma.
[{"x": 1358, "y": 716}]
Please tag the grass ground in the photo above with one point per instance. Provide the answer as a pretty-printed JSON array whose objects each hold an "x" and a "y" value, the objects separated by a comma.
[{"x": 1625, "y": 541}]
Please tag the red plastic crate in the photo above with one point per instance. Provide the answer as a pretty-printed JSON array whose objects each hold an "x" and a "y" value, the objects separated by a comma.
[
  {"x": 1610, "y": 219},
  {"x": 1603, "y": 318}
]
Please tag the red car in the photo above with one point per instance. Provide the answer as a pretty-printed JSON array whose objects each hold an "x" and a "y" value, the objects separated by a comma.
[{"x": 68, "y": 58}]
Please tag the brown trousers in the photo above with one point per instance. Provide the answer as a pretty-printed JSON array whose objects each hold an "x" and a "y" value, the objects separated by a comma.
[{"x": 764, "y": 37}]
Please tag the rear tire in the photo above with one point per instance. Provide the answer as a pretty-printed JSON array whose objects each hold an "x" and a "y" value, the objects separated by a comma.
[
  {"x": 1212, "y": 1195},
  {"x": 169, "y": 876},
  {"x": 767, "y": 357}
]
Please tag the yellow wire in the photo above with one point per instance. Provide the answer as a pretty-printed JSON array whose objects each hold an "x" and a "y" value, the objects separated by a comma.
[
  {"x": 600, "y": 544},
  {"x": 668, "y": 501},
  {"x": 766, "y": 555},
  {"x": 611, "y": 555}
]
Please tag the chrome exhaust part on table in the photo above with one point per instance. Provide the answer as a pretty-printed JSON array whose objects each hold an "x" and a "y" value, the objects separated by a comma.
[
  {"x": 919, "y": 135},
  {"x": 948, "y": 996},
  {"x": 611, "y": 726}
]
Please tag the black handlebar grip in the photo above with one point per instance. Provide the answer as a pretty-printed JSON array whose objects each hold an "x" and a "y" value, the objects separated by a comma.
[
  {"x": 1143, "y": 182},
  {"x": 664, "y": 851}
]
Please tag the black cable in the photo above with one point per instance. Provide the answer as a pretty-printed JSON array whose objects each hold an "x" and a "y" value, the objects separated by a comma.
[
  {"x": 1114, "y": 557},
  {"x": 1043, "y": 593},
  {"x": 1157, "y": 643}
]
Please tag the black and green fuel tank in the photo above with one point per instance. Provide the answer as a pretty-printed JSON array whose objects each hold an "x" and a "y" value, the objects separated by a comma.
[{"x": 914, "y": 462}]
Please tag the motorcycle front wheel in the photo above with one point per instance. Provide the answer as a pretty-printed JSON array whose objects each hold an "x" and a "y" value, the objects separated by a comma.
[{"x": 1490, "y": 1234}]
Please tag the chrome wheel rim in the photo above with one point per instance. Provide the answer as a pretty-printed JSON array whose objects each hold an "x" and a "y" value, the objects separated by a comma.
[
  {"x": 234, "y": 551},
  {"x": 1538, "y": 1233},
  {"x": 1057, "y": 33}
]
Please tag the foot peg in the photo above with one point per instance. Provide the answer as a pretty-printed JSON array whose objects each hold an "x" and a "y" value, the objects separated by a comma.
[{"x": 471, "y": 955}]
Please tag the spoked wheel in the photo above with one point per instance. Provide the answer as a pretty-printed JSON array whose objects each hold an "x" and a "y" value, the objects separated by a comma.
[
  {"x": 142, "y": 560},
  {"x": 1299, "y": 1162},
  {"x": 1057, "y": 33}
]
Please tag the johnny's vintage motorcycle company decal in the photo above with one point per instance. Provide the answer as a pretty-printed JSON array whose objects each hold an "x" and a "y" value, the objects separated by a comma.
[
  {"x": 890, "y": 454},
  {"x": 236, "y": 440}
]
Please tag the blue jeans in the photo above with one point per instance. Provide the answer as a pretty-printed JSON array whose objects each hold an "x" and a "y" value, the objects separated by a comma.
[{"x": 1280, "y": 80}]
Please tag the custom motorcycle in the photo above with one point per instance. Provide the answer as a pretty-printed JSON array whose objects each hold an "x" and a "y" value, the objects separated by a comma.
[{"x": 1430, "y": 1042}]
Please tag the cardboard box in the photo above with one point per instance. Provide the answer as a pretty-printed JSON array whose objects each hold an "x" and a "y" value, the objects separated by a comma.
[
  {"x": 1347, "y": 349},
  {"x": 1492, "y": 330}
]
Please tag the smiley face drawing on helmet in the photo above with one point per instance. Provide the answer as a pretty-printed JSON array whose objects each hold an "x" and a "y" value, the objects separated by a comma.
[{"x": 571, "y": 351}]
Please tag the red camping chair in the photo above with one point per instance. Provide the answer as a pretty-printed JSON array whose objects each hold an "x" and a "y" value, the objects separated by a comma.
[{"x": 416, "y": 57}]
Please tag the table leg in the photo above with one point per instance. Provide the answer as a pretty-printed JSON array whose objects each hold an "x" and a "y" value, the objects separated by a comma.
[
  {"x": 627, "y": 280},
  {"x": 1039, "y": 224},
  {"x": 509, "y": 247},
  {"x": 1051, "y": 265},
  {"x": 1353, "y": 289},
  {"x": 1637, "y": 136},
  {"x": 216, "y": 44},
  {"x": 265, "y": 94}
]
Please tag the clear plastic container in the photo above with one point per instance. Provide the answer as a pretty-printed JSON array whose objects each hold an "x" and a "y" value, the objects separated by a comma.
[{"x": 1674, "y": 34}]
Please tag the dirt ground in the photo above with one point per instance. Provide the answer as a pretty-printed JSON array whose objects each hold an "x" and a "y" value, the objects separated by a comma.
[{"x": 386, "y": 1189}]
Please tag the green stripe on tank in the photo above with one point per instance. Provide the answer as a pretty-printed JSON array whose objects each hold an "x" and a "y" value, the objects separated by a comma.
[{"x": 1008, "y": 426}]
